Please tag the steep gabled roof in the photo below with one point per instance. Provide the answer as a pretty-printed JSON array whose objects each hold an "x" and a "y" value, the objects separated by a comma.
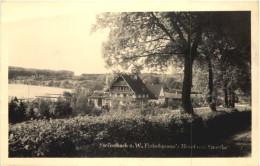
[
  {"x": 155, "y": 89},
  {"x": 136, "y": 84}
]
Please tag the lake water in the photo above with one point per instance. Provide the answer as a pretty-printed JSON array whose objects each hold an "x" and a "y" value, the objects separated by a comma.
[{"x": 31, "y": 91}]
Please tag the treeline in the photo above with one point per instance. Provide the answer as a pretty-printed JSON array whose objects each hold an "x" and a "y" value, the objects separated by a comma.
[
  {"x": 226, "y": 88},
  {"x": 66, "y": 106},
  {"x": 14, "y": 72},
  {"x": 67, "y": 79},
  {"x": 78, "y": 103},
  {"x": 20, "y": 111}
]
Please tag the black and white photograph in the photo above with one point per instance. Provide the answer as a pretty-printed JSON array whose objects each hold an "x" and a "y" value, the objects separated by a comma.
[{"x": 85, "y": 82}]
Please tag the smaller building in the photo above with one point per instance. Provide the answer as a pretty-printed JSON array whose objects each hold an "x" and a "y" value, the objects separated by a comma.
[
  {"x": 156, "y": 93},
  {"x": 171, "y": 97},
  {"x": 100, "y": 98}
]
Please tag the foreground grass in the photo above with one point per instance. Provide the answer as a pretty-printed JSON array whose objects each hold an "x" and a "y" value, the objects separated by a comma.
[{"x": 160, "y": 133}]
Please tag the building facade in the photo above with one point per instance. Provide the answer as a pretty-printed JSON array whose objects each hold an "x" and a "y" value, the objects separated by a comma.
[
  {"x": 127, "y": 88},
  {"x": 130, "y": 88}
]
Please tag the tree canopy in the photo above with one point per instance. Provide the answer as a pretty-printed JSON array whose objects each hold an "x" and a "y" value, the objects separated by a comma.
[{"x": 159, "y": 39}]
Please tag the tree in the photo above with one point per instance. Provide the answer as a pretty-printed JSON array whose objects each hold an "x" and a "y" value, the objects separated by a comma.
[
  {"x": 62, "y": 108},
  {"x": 224, "y": 53},
  {"x": 172, "y": 83},
  {"x": 12, "y": 111},
  {"x": 231, "y": 51},
  {"x": 30, "y": 112},
  {"x": 151, "y": 80},
  {"x": 205, "y": 61},
  {"x": 44, "y": 108},
  {"x": 21, "y": 112},
  {"x": 159, "y": 39},
  {"x": 67, "y": 96},
  {"x": 154, "y": 40},
  {"x": 17, "y": 111}
]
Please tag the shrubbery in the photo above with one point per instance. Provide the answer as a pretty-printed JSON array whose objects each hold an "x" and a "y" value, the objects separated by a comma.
[
  {"x": 66, "y": 106},
  {"x": 66, "y": 137},
  {"x": 198, "y": 102},
  {"x": 16, "y": 111},
  {"x": 20, "y": 111}
]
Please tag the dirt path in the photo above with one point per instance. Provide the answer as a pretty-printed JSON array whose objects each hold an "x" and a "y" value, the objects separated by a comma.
[{"x": 240, "y": 142}]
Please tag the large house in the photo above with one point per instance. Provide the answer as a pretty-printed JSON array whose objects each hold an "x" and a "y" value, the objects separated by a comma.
[
  {"x": 130, "y": 88},
  {"x": 124, "y": 88}
]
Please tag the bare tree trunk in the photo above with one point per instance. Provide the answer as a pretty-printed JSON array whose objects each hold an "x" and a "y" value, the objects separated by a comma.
[
  {"x": 188, "y": 61},
  {"x": 211, "y": 104},
  {"x": 225, "y": 94},
  {"x": 187, "y": 83},
  {"x": 229, "y": 97},
  {"x": 232, "y": 97}
]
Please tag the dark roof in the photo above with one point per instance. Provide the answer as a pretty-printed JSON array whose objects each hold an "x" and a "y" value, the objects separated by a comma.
[
  {"x": 155, "y": 89},
  {"x": 135, "y": 83}
]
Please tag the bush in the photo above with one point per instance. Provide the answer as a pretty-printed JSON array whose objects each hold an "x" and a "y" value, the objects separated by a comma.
[
  {"x": 95, "y": 112},
  {"x": 66, "y": 137},
  {"x": 12, "y": 109},
  {"x": 61, "y": 108},
  {"x": 83, "y": 106},
  {"x": 198, "y": 102},
  {"x": 44, "y": 108},
  {"x": 17, "y": 111},
  {"x": 176, "y": 104}
]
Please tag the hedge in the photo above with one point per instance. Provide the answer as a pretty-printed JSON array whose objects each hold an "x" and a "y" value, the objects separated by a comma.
[{"x": 83, "y": 135}]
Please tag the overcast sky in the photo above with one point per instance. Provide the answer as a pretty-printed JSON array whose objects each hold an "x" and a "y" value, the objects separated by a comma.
[{"x": 51, "y": 35}]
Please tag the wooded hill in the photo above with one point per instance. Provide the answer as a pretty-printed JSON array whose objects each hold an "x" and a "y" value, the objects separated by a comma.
[
  {"x": 91, "y": 82},
  {"x": 67, "y": 79}
]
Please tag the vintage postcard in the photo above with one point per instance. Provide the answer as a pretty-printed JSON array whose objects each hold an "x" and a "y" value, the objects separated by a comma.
[{"x": 129, "y": 83}]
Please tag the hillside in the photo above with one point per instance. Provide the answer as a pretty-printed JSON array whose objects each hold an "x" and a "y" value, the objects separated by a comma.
[{"x": 67, "y": 79}]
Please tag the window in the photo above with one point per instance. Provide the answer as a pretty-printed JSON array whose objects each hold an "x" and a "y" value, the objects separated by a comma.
[{"x": 124, "y": 95}]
